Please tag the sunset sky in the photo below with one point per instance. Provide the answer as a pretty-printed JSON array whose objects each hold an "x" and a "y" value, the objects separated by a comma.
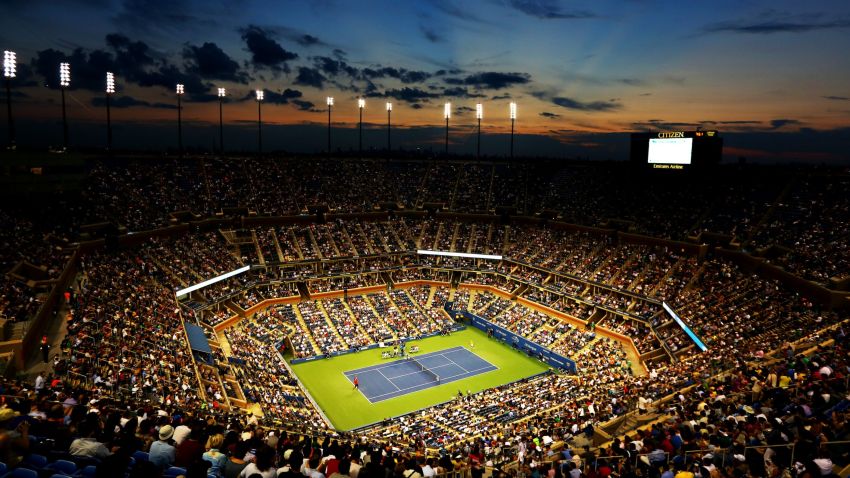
[{"x": 772, "y": 76}]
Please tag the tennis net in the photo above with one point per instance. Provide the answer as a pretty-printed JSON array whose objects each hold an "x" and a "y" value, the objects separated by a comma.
[{"x": 424, "y": 368}]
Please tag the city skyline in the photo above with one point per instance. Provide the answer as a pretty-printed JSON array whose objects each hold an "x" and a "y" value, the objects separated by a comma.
[{"x": 771, "y": 76}]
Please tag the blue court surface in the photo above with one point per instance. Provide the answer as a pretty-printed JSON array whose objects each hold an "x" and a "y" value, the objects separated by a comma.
[{"x": 394, "y": 379}]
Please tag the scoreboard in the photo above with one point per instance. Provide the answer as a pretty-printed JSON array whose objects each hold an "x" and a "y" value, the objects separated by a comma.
[{"x": 676, "y": 150}]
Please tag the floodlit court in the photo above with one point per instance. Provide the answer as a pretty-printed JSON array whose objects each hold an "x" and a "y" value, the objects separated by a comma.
[
  {"x": 408, "y": 375},
  {"x": 465, "y": 361}
]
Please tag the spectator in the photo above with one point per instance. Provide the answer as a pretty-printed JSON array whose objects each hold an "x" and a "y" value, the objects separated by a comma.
[{"x": 162, "y": 452}]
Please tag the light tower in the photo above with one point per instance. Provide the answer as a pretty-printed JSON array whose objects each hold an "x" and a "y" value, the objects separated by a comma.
[
  {"x": 330, "y": 102},
  {"x": 479, "y": 113},
  {"x": 221, "y": 94},
  {"x": 64, "y": 82},
  {"x": 180, "y": 119},
  {"x": 10, "y": 70},
  {"x": 447, "y": 113},
  {"x": 513, "y": 120},
  {"x": 259, "y": 94},
  {"x": 110, "y": 89},
  {"x": 389, "y": 124},
  {"x": 361, "y": 103}
]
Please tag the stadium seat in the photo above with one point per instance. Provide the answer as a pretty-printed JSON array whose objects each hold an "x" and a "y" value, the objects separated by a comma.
[
  {"x": 60, "y": 476},
  {"x": 62, "y": 466},
  {"x": 174, "y": 472},
  {"x": 21, "y": 473},
  {"x": 87, "y": 472},
  {"x": 141, "y": 456},
  {"x": 34, "y": 461},
  {"x": 2, "y": 467}
]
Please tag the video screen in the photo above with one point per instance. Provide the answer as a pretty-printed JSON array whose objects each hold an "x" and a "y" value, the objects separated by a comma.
[{"x": 670, "y": 150}]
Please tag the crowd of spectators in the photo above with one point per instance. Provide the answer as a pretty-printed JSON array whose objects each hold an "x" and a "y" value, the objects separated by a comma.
[{"x": 127, "y": 375}]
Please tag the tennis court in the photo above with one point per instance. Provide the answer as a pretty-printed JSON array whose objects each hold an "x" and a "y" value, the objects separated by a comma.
[{"x": 385, "y": 381}]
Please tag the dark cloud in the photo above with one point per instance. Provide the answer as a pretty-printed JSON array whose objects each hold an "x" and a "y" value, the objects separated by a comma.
[
  {"x": 548, "y": 10},
  {"x": 597, "y": 106},
  {"x": 404, "y": 75},
  {"x": 431, "y": 35},
  {"x": 129, "y": 102},
  {"x": 304, "y": 105},
  {"x": 492, "y": 80},
  {"x": 210, "y": 61},
  {"x": 334, "y": 67},
  {"x": 132, "y": 58},
  {"x": 308, "y": 40},
  {"x": 167, "y": 76},
  {"x": 88, "y": 69},
  {"x": 265, "y": 51},
  {"x": 837, "y": 98},
  {"x": 460, "y": 92},
  {"x": 133, "y": 62},
  {"x": 549, "y": 115},
  {"x": 444, "y": 72},
  {"x": 407, "y": 94},
  {"x": 310, "y": 77},
  {"x": 283, "y": 98},
  {"x": 505, "y": 96},
  {"x": 462, "y": 110},
  {"x": 782, "y": 122},
  {"x": 779, "y": 24},
  {"x": 297, "y": 36}
]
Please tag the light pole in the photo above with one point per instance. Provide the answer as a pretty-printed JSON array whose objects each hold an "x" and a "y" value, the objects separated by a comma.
[
  {"x": 110, "y": 89},
  {"x": 361, "y": 103},
  {"x": 447, "y": 113},
  {"x": 330, "y": 102},
  {"x": 513, "y": 120},
  {"x": 221, "y": 95},
  {"x": 479, "y": 113},
  {"x": 259, "y": 121},
  {"x": 389, "y": 113},
  {"x": 180, "y": 119},
  {"x": 10, "y": 70},
  {"x": 64, "y": 82}
]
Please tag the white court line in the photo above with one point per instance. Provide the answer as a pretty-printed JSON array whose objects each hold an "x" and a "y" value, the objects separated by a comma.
[
  {"x": 396, "y": 362},
  {"x": 388, "y": 380},
  {"x": 452, "y": 361},
  {"x": 488, "y": 368}
]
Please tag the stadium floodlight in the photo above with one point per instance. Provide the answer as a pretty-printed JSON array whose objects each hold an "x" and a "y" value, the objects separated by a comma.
[
  {"x": 512, "y": 113},
  {"x": 361, "y": 104},
  {"x": 260, "y": 94},
  {"x": 110, "y": 82},
  {"x": 64, "y": 82},
  {"x": 479, "y": 114},
  {"x": 110, "y": 89},
  {"x": 330, "y": 102},
  {"x": 10, "y": 64},
  {"x": 10, "y": 70},
  {"x": 180, "y": 90},
  {"x": 447, "y": 113},
  {"x": 221, "y": 94},
  {"x": 64, "y": 75},
  {"x": 389, "y": 123}
]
